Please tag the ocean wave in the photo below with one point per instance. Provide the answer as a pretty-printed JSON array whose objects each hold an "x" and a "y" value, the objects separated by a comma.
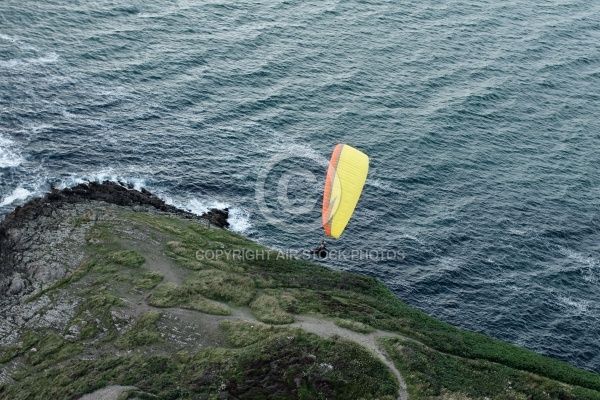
[
  {"x": 9, "y": 157},
  {"x": 105, "y": 175},
  {"x": 49, "y": 58},
  {"x": 7, "y": 38},
  {"x": 17, "y": 194},
  {"x": 239, "y": 218},
  {"x": 383, "y": 185},
  {"x": 576, "y": 307},
  {"x": 39, "y": 183},
  {"x": 590, "y": 267}
]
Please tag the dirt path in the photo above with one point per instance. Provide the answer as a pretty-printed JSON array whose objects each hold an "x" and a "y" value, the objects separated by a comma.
[
  {"x": 326, "y": 328},
  {"x": 107, "y": 393},
  {"x": 191, "y": 328}
]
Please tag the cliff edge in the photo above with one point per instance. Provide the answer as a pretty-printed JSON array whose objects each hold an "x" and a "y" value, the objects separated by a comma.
[{"x": 107, "y": 292}]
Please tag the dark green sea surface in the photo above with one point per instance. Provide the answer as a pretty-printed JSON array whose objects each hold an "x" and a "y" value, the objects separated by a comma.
[{"x": 480, "y": 118}]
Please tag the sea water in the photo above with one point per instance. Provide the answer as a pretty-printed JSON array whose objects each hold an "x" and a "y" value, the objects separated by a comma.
[{"x": 480, "y": 119}]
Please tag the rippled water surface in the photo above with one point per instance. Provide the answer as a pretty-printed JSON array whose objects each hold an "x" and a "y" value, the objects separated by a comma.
[{"x": 480, "y": 118}]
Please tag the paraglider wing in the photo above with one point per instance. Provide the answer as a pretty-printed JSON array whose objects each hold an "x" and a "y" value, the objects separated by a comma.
[{"x": 346, "y": 177}]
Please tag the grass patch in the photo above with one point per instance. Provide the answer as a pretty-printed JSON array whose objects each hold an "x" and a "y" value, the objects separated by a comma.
[
  {"x": 28, "y": 340},
  {"x": 170, "y": 295},
  {"x": 429, "y": 373},
  {"x": 126, "y": 258},
  {"x": 287, "y": 364},
  {"x": 148, "y": 281},
  {"x": 10, "y": 352},
  {"x": 158, "y": 375},
  {"x": 144, "y": 332},
  {"x": 50, "y": 349},
  {"x": 268, "y": 310},
  {"x": 242, "y": 334},
  {"x": 223, "y": 286},
  {"x": 93, "y": 317},
  {"x": 354, "y": 325},
  {"x": 202, "y": 304},
  {"x": 40, "y": 351}
]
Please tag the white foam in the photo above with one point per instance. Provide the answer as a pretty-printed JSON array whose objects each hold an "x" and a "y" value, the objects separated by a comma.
[
  {"x": 41, "y": 128},
  {"x": 590, "y": 267},
  {"x": 105, "y": 175},
  {"x": 580, "y": 258},
  {"x": 239, "y": 219},
  {"x": 201, "y": 206},
  {"x": 412, "y": 237},
  {"x": 518, "y": 232},
  {"x": 576, "y": 307},
  {"x": 8, "y": 156},
  {"x": 7, "y": 38},
  {"x": 49, "y": 58},
  {"x": 10, "y": 63},
  {"x": 383, "y": 185},
  {"x": 17, "y": 194}
]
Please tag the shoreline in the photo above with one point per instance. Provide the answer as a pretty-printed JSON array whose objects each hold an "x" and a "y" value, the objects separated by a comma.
[
  {"x": 116, "y": 193},
  {"x": 90, "y": 270},
  {"x": 30, "y": 228}
]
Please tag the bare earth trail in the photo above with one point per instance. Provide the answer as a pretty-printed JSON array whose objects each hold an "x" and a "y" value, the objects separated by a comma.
[
  {"x": 208, "y": 325},
  {"x": 108, "y": 393},
  {"x": 183, "y": 328},
  {"x": 205, "y": 327},
  {"x": 327, "y": 329},
  {"x": 51, "y": 241}
]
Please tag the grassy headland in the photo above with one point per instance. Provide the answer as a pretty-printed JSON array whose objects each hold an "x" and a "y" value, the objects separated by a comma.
[{"x": 146, "y": 282}]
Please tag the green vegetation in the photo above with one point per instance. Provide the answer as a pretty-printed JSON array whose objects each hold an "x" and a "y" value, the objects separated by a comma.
[
  {"x": 242, "y": 334},
  {"x": 148, "y": 281},
  {"x": 126, "y": 258},
  {"x": 171, "y": 295},
  {"x": 223, "y": 286},
  {"x": 40, "y": 351},
  {"x": 259, "y": 361},
  {"x": 431, "y": 373},
  {"x": 94, "y": 318},
  {"x": 353, "y": 325},
  {"x": 142, "y": 333},
  {"x": 288, "y": 363},
  {"x": 49, "y": 349},
  {"x": 302, "y": 287},
  {"x": 202, "y": 304},
  {"x": 268, "y": 310},
  {"x": 29, "y": 340}
]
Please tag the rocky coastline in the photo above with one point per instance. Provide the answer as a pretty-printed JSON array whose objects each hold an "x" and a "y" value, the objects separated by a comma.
[
  {"x": 34, "y": 224},
  {"x": 102, "y": 294},
  {"x": 39, "y": 246}
]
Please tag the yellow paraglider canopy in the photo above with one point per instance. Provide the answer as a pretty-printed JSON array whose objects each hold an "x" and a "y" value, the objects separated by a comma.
[{"x": 346, "y": 177}]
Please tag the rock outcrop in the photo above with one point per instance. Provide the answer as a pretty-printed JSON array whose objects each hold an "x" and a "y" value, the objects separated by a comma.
[{"x": 34, "y": 226}]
